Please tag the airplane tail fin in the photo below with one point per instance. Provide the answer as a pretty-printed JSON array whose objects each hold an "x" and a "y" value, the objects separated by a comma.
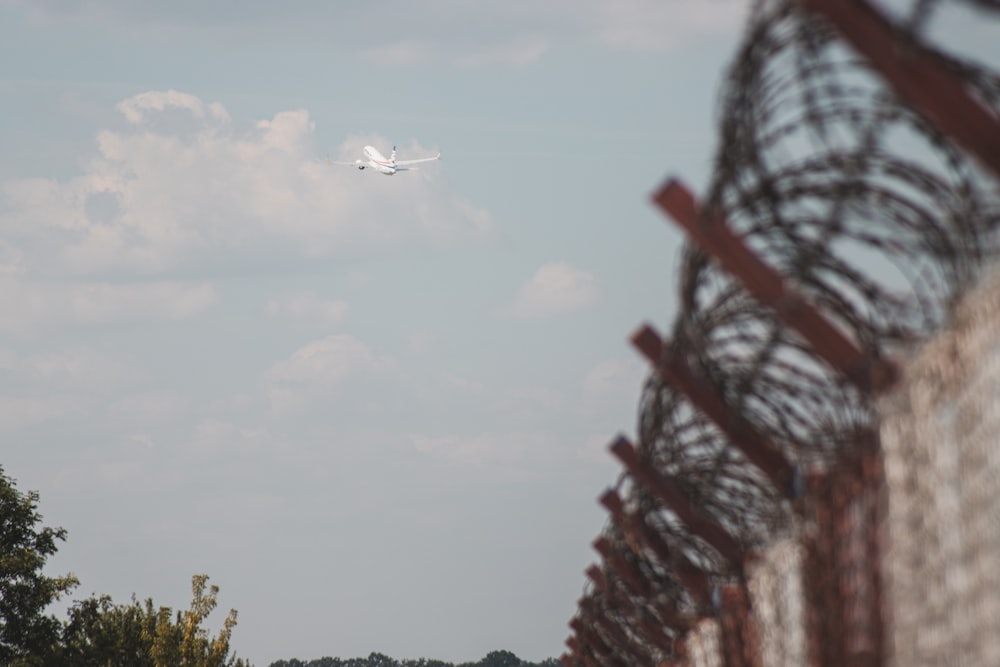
[{"x": 392, "y": 158}]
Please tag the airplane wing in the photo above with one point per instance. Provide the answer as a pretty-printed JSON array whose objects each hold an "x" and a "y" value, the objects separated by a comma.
[
  {"x": 345, "y": 164},
  {"x": 423, "y": 159}
]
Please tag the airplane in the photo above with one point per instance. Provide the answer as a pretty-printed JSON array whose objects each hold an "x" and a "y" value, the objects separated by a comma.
[{"x": 376, "y": 161}]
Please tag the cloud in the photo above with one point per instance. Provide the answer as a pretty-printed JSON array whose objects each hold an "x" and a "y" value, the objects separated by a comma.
[
  {"x": 134, "y": 108},
  {"x": 307, "y": 306},
  {"x": 20, "y": 411},
  {"x": 517, "y": 34},
  {"x": 530, "y": 403},
  {"x": 76, "y": 368},
  {"x": 554, "y": 289},
  {"x": 216, "y": 436},
  {"x": 519, "y": 51},
  {"x": 148, "y": 407},
  {"x": 482, "y": 450},
  {"x": 138, "y": 441},
  {"x": 655, "y": 26},
  {"x": 402, "y": 53},
  {"x": 316, "y": 368},
  {"x": 10, "y": 260},
  {"x": 41, "y": 305},
  {"x": 184, "y": 187},
  {"x": 612, "y": 379},
  {"x": 511, "y": 33},
  {"x": 329, "y": 360},
  {"x": 184, "y": 190}
]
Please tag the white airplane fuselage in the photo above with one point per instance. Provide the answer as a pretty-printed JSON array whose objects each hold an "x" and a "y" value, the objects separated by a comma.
[
  {"x": 388, "y": 166},
  {"x": 377, "y": 161}
]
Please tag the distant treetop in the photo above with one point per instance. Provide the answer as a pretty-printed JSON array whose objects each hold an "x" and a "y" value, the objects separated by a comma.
[{"x": 492, "y": 659}]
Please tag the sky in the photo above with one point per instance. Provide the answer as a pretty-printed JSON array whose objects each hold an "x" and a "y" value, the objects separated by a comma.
[{"x": 373, "y": 410}]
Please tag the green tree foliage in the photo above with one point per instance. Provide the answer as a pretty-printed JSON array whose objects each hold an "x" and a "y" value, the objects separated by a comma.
[
  {"x": 492, "y": 659},
  {"x": 100, "y": 633},
  {"x": 500, "y": 659},
  {"x": 185, "y": 643},
  {"x": 97, "y": 632},
  {"x": 27, "y": 635}
]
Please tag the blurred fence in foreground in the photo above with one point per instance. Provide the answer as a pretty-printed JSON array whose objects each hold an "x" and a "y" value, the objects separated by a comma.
[{"x": 814, "y": 482}]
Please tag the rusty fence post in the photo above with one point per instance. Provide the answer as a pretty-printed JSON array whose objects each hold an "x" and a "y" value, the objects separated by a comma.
[
  {"x": 740, "y": 642},
  {"x": 667, "y": 491},
  {"x": 917, "y": 75},
  {"x": 708, "y": 399},
  {"x": 714, "y": 236}
]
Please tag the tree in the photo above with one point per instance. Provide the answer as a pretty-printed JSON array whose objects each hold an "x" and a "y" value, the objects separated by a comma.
[
  {"x": 100, "y": 633},
  {"x": 26, "y": 633},
  {"x": 381, "y": 660},
  {"x": 492, "y": 659},
  {"x": 550, "y": 662},
  {"x": 500, "y": 659},
  {"x": 185, "y": 643},
  {"x": 97, "y": 632}
]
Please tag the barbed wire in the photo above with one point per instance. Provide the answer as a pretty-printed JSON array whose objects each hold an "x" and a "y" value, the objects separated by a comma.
[
  {"x": 868, "y": 212},
  {"x": 863, "y": 207}
]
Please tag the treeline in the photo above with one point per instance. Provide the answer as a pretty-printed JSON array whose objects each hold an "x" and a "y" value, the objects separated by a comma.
[
  {"x": 492, "y": 659},
  {"x": 97, "y": 631}
]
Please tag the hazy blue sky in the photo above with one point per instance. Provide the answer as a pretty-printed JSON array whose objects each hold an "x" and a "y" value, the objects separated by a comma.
[{"x": 373, "y": 409}]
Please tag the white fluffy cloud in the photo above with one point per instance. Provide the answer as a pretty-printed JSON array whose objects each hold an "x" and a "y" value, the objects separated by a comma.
[
  {"x": 554, "y": 289},
  {"x": 135, "y": 108},
  {"x": 317, "y": 367},
  {"x": 183, "y": 189},
  {"x": 183, "y": 186}
]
